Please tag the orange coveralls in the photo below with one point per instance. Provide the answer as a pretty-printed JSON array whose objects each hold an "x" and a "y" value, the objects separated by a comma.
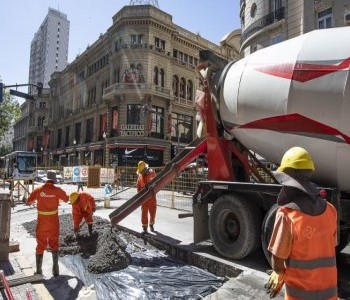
[
  {"x": 47, "y": 227},
  {"x": 150, "y": 206},
  {"x": 83, "y": 209}
]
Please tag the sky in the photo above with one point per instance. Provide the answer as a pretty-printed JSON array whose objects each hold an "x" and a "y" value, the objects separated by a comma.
[{"x": 21, "y": 19}]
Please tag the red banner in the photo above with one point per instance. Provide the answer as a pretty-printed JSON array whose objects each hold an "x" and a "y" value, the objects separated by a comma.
[{"x": 115, "y": 119}]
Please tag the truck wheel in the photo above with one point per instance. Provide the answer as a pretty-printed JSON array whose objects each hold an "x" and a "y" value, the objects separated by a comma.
[
  {"x": 234, "y": 226},
  {"x": 266, "y": 231},
  {"x": 344, "y": 239}
]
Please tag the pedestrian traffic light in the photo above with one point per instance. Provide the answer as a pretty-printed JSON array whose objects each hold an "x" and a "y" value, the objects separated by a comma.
[
  {"x": 39, "y": 87},
  {"x": 1, "y": 91}
]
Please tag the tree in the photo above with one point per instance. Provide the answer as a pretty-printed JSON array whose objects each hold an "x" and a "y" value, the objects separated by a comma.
[{"x": 9, "y": 112}]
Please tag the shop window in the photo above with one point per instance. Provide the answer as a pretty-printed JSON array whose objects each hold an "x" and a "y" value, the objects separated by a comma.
[
  {"x": 182, "y": 128},
  {"x": 133, "y": 114},
  {"x": 157, "y": 119}
]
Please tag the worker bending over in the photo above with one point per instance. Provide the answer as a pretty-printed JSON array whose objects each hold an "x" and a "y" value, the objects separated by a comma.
[
  {"x": 47, "y": 227},
  {"x": 304, "y": 237},
  {"x": 83, "y": 207},
  {"x": 145, "y": 175}
]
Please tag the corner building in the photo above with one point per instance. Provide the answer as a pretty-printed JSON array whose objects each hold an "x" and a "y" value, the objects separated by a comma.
[{"x": 131, "y": 94}]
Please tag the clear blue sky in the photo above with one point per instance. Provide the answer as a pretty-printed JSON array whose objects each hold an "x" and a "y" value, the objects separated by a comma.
[{"x": 20, "y": 20}]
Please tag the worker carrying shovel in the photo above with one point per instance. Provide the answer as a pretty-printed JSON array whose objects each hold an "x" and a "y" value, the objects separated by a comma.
[{"x": 83, "y": 207}]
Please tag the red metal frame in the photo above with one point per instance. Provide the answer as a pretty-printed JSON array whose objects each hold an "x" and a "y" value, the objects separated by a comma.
[{"x": 6, "y": 286}]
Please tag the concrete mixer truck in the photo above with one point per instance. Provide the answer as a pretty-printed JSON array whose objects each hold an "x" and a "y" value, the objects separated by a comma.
[{"x": 296, "y": 93}]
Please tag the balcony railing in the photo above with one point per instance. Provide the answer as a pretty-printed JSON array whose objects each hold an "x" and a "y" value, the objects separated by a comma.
[{"x": 261, "y": 23}]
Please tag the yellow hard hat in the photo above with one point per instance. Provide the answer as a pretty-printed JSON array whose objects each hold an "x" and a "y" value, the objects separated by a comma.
[
  {"x": 73, "y": 197},
  {"x": 141, "y": 166},
  {"x": 296, "y": 158}
]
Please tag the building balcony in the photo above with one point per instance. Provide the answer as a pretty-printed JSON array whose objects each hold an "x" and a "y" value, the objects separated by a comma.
[
  {"x": 263, "y": 22},
  {"x": 119, "y": 89}
]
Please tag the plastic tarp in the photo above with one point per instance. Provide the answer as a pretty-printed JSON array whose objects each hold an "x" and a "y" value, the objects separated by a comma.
[{"x": 151, "y": 275}]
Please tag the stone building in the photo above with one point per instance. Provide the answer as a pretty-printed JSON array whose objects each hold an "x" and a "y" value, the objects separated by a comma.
[
  {"x": 269, "y": 22},
  {"x": 130, "y": 95}
]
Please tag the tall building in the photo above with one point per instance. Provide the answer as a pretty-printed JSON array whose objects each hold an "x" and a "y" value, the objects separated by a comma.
[
  {"x": 97, "y": 103},
  {"x": 49, "y": 48},
  {"x": 269, "y": 22}
]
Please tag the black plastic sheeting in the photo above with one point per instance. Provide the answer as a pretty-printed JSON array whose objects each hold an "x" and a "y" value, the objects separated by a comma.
[{"x": 151, "y": 275}]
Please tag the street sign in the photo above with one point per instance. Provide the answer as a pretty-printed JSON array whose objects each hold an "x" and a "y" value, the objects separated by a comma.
[{"x": 20, "y": 94}]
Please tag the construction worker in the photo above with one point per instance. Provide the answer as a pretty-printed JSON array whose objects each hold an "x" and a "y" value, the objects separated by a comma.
[
  {"x": 47, "y": 232},
  {"x": 145, "y": 175},
  {"x": 304, "y": 236},
  {"x": 83, "y": 207}
]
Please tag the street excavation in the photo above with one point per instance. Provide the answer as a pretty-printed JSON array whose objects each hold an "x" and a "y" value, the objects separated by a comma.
[{"x": 119, "y": 265}]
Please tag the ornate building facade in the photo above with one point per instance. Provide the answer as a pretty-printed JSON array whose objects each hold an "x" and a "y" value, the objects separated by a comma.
[
  {"x": 269, "y": 22},
  {"x": 128, "y": 96}
]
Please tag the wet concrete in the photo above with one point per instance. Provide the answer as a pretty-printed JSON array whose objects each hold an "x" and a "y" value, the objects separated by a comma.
[{"x": 105, "y": 248}]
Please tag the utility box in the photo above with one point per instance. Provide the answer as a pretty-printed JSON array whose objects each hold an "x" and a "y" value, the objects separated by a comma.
[{"x": 5, "y": 219}]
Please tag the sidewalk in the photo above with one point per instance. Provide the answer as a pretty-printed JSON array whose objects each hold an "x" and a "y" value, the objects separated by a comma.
[{"x": 247, "y": 277}]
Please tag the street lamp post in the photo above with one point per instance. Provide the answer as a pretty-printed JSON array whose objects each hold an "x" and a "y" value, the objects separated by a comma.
[
  {"x": 74, "y": 157},
  {"x": 106, "y": 150},
  {"x": 42, "y": 156}
]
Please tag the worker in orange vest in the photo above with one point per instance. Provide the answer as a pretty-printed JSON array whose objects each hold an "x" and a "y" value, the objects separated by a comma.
[
  {"x": 304, "y": 237},
  {"x": 145, "y": 175},
  {"x": 83, "y": 207},
  {"x": 47, "y": 227}
]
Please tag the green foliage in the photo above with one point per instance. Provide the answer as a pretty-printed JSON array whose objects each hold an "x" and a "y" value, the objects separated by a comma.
[
  {"x": 5, "y": 149},
  {"x": 9, "y": 112}
]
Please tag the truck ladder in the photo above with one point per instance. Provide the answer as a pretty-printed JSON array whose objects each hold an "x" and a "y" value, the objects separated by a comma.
[{"x": 174, "y": 167}]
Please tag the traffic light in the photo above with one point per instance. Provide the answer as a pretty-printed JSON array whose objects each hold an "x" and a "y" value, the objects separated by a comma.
[
  {"x": 39, "y": 87},
  {"x": 1, "y": 91}
]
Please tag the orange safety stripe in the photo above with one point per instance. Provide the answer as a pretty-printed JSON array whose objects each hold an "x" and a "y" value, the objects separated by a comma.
[
  {"x": 47, "y": 213},
  {"x": 314, "y": 295}
]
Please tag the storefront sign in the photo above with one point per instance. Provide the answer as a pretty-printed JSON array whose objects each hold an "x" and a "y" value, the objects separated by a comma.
[{"x": 132, "y": 130}]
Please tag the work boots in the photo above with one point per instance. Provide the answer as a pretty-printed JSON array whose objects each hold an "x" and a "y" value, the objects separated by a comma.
[
  {"x": 39, "y": 263},
  {"x": 151, "y": 227},
  {"x": 144, "y": 230},
  {"x": 90, "y": 229},
  {"x": 55, "y": 268}
]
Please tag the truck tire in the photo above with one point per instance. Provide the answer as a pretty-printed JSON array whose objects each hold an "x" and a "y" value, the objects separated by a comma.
[
  {"x": 235, "y": 226},
  {"x": 344, "y": 238},
  {"x": 266, "y": 232}
]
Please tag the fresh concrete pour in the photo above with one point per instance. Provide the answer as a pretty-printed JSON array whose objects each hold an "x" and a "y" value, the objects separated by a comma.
[
  {"x": 105, "y": 248},
  {"x": 131, "y": 267}
]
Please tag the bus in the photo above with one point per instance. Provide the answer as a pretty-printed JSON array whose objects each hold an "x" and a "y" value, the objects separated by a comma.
[{"x": 26, "y": 163}]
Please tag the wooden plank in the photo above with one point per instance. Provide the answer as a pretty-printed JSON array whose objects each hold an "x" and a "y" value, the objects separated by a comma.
[{"x": 23, "y": 280}]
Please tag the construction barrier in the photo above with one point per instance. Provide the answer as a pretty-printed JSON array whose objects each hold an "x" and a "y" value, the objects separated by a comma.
[{"x": 5, "y": 218}]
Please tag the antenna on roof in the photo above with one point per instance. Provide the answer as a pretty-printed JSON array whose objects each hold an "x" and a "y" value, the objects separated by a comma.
[{"x": 143, "y": 2}]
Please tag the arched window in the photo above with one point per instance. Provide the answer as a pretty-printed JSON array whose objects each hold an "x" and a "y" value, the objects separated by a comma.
[
  {"x": 155, "y": 75},
  {"x": 176, "y": 86},
  {"x": 182, "y": 88},
  {"x": 162, "y": 78},
  {"x": 189, "y": 90},
  {"x": 118, "y": 75}
]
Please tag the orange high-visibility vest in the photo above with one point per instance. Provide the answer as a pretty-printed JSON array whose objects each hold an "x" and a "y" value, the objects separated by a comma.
[{"x": 311, "y": 271}]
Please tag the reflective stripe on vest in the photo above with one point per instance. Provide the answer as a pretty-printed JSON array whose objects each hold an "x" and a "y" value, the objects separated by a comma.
[
  {"x": 314, "y": 295},
  {"x": 47, "y": 213},
  {"x": 311, "y": 264}
]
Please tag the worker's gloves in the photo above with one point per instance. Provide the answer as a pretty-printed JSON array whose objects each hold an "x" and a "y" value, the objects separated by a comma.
[{"x": 274, "y": 284}]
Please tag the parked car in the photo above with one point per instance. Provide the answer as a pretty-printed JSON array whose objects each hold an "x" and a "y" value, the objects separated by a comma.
[{"x": 40, "y": 176}]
